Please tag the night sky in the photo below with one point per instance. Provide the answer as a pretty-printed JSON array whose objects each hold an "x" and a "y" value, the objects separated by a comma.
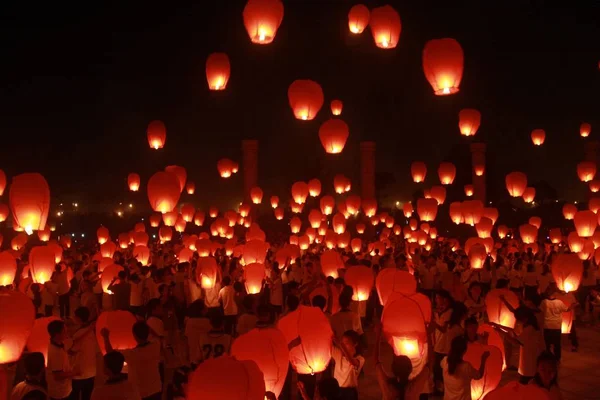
[{"x": 80, "y": 84}]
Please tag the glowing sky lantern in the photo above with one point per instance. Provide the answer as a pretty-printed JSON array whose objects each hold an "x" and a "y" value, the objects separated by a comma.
[
  {"x": 341, "y": 184},
  {"x": 190, "y": 188},
  {"x": 369, "y": 207},
  {"x": 39, "y": 340},
  {"x": 569, "y": 211},
  {"x": 180, "y": 173},
  {"x": 497, "y": 311},
  {"x": 165, "y": 234},
  {"x": 279, "y": 212},
  {"x": 300, "y": 192},
  {"x": 133, "y": 181},
  {"x": 336, "y": 107},
  {"x": 361, "y": 279},
  {"x": 2, "y": 182},
  {"x": 418, "y": 171},
  {"x": 29, "y": 199},
  {"x": 575, "y": 242},
  {"x": 44, "y": 235},
  {"x": 305, "y": 98},
  {"x": 163, "y": 191},
  {"x": 8, "y": 268},
  {"x": 477, "y": 255},
  {"x": 225, "y": 167},
  {"x": 407, "y": 209},
  {"x": 555, "y": 235},
  {"x": 4, "y": 211},
  {"x": 42, "y": 263},
  {"x": 170, "y": 218},
  {"x": 108, "y": 249},
  {"x": 111, "y": 272},
  {"x": 327, "y": 204},
  {"x": 439, "y": 194},
  {"x": 443, "y": 61},
  {"x": 254, "y": 274},
  {"x": 262, "y": 19},
  {"x": 358, "y": 18},
  {"x": 353, "y": 204},
  {"x": 314, "y": 218},
  {"x": 187, "y": 212},
  {"x": 120, "y": 324},
  {"x": 274, "y": 201},
  {"x": 333, "y": 134},
  {"x": 18, "y": 314},
  {"x": 586, "y": 170},
  {"x": 256, "y": 194},
  {"x": 484, "y": 227},
  {"x": 217, "y": 71},
  {"x": 538, "y": 136},
  {"x": 469, "y": 120},
  {"x": 427, "y": 209},
  {"x": 103, "y": 235},
  {"x": 339, "y": 223},
  {"x": 385, "y": 27},
  {"x": 594, "y": 185},
  {"x": 446, "y": 173},
  {"x": 314, "y": 187},
  {"x": 492, "y": 372},
  {"x": 585, "y": 223},
  {"x": 157, "y": 134},
  {"x": 472, "y": 211},
  {"x": 392, "y": 280},
  {"x": 140, "y": 238},
  {"x": 585, "y": 129},
  {"x": 360, "y": 228},
  {"x": 567, "y": 270},
  {"x": 479, "y": 169},
  {"x": 469, "y": 190},
  {"x": 529, "y": 195},
  {"x": 516, "y": 183},
  {"x": 528, "y": 233}
]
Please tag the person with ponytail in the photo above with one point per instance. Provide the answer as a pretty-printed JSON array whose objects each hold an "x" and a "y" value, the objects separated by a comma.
[{"x": 459, "y": 373}]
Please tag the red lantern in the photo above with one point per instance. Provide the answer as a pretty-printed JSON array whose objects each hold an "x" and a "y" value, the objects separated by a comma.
[
  {"x": 360, "y": 228},
  {"x": 133, "y": 181},
  {"x": 477, "y": 255},
  {"x": 418, "y": 170},
  {"x": 392, "y": 280},
  {"x": 331, "y": 262},
  {"x": 274, "y": 201},
  {"x": 569, "y": 211},
  {"x": 103, "y": 235},
  {"x": 336, "y": 107},
  {"x": 469, "y": 190},
  {"x": 439, "y": 194},
  {"x": 157, "y": 134},
  {"x": 341, "y": 184},
  {"x": 529, "y": 195},
  {"x": 163, "y": 191},
  {"x": 18, "y": 316},
  {"x": 170, "y": 218},
  {"x": 190, "y": 188},
  {"x": 187, "y": 212},
  {"x": 446, "y": 173},
  {"x": 443, "y": 61},
  {"x": 472, "y": 211},
  {"x": 199, "y": 218},
  {"x": 538, "y": 136},
  {"x": 8, "y": 268},
  {"x": 2, "y": 182},
  {"x": 517, "y": 391},
  {"x": 314, "y": 187},
  {"x": 361, "y": 279},
  {"x": 353, "y": 204},
  {"x": 585, "y": 129},
  {"x": 262, "y": 19},
  {"x": 427, "y": 209},
  {"x": 516, "y": 183},
  {"x": 586, "y": 170},
  {"x": 165, "y": 234},
  {"x": 555, "y": 235},
  {"x": 217, "y": 71},
  {"x": 39, "y": 339},
  {"x": 180, "y": 173},
  {"x": 575, "y": 242},
  {"x": 484, "y": 227},
  {"x": 585, "y": 223},
  {"x": 226, "y": 167},
  {"x": 120, "y": 325},
  {"x": 358, "y": 19},
  {"x": 385, "y": 27},
  {"x": 528, "y": 233},
  {"x": 306, "y": 99},
  {"x": 469, "y": 120},
  {"x": 567, "y": 270},
  {"x": 333, "y": 135},
  {"x": 492, "y": 372},
  {"x": 108, "y": 249},
  {"x": 4, "y": 211},
  {"x": 140, "y": 238},
  {"x": 300, "y": 192},
  {"x": 42, "y": 263},
  {"x": 254, "y": 274},
  {"x": 497, "y": 311},
  {"x": 108, "y": 275},
  {"x": 44, "y": 235},
  {"x": 595, "y": 185},
  {"x": 279, "y": 213},
  {"x": 29, "y": 199},
  {"x": 256, "y": 194},
  {"x": 407, "y": 209},
  {"x": 255, "y": 251},
  {"x": 327, "y": 204},
  {"x": 479, "y": 169}
]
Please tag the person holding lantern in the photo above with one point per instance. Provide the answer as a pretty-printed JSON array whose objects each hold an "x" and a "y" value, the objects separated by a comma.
[
  {"x": 459, "y": 373},
  {"x": 552, "y": 309},
  {"x": 34, "y": 378},
  {"x": 59, "y": 374},
  {"x": 348, "y": 363}
]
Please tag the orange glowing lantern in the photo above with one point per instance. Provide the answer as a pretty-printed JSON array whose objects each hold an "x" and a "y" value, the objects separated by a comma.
[
  {"x": 256, "y": 194},
  {"x": 39, "y": 339},
  {"x": 133, "y": 181},
  {"x": 392, "y": 280},
  {"x": 497, "y": 311},
  {"x": 358, "y": 19},
  {"x": 29, "y": 199},
  {"x": 586, "y": 170},
  {"x": 443, "y": 61},
  {"x": 479, "y": 169},
  {"x": 331, "y": 262},
  {"x": 18, "y": 314},
  {"x": 305, "y": 98},
  {"x": 155, "y": 220},
  {"x": 360, "y": 228},
  {"x": 4, "y": 211},
  {"x": 327, "y": 204},
  {"x": 427, "y": 209},
  {"x": 529, "y": 195},
  {"x": 140, "y": 238},
  {"x": 170, "y": 218},
  {"x": 538, "y": 136},
  {"x": 314, "y": 218},
  {"x": 278, "y": 213},
  {"x": 439, "y": 194},
  {"x": 528, "y": 233},
  {"x": 472, "y": 211},
  {"x": 369, "y": 207},
  {"x": 594, "y": 204},
  {"x": 356, "y": 245},
  {"x": 477, "y": 255},
  {"x": 456, "y": 212},
  {"x": 262, "y": 19},
  {"x": 120, "y": 325},
  {"x": 353, "y": 204},
  {"x": 385, "y": 27},
  {"x": 585, "y": 129},
  {"x": 569, "y": 211},
  {"x": 575, "y": 242},
  {"x": 103, "y": 235},
  {"x": 226, "y": 167},
  {"x": 180, "y": 173},
  {"x": 217, "y": 71},
  {"x": 535, "y": 221},
  {"x": 255, "y": 251},
  {"x": 314, "y": 187},
  {"x": 333, "y": 135},
  {"x": 418, "y": 171},
  {"x": 300, "y": 192},
  {"x": 595, "y": 185},
  {"x": 341, "y": 184},
  {"x": 8, "y": 268},
  {"x": 187, "y": 212},
  {"x": 163, "y": 191},
  {"x": 108, "y": 275},
  {"x": 190, "y": 188},
  {"x": 361, "y": 279},
  {"x": 567, "y": 270},
  {"x": 407, "y": 209},
  {"x": 484, "y": 227},
  {"x": 254, "y": 274},
  {"x": 157, "y": 134},
  {"x": 339, "y": 223},
  {"x": 199, "y": 218},
  {"x": 44, "y": 235},
  {"x": 516, "y": 183},
  {"x": 295, "y": 224},
  {"x": 274, "y": 201},
  {"x": 493, "y": 368},
  {"x": 469, "y": 190},
  {"x": 585, "y": 223},
  {"x": 555, "y": 235},
  {"x": 42, "y": 263},
  {"x": 446, "y": 173},
  {"x": 336, "y": 107},
  {"x": 108, "y": 249},
  {"x": 469, "y": 120}
]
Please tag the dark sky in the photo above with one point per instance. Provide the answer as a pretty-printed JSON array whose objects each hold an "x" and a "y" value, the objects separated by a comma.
[{"x": 80, "y": 84}]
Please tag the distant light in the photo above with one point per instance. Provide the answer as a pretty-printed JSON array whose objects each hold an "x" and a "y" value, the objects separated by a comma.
[
  {"x": 72, "y": 234},
  {"x": 575, "y": 202},
  {"x": 120, "y": 213},
  {"x": 153, "y": 236},
  {"x": 397, "y": 203},
  {"x": 120, "y": 204},
  {"x": 61, "y": 204},
  {"x": 130, "y": 205},
  {"x": 83, "y": 235},
  {"x": 142, "y": 219},
  {"x": 75, "y": 205}
]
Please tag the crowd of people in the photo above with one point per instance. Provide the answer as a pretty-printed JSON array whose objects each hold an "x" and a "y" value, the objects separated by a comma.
[{"x": 180, "y": 325}]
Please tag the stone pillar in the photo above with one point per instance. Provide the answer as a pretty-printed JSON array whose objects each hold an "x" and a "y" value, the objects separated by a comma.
[
  {"x": 367, "y": 170},
  {"x": 249, "y": 165},
  {"x": 478, "y": 158}
]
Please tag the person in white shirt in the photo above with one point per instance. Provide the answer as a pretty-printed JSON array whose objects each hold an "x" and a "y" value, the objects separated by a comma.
[
  {"x": 49, "y": 297},
  {"x": 61, "y": 279},
  {"x": 117, "y": 386},
  {"x": 348, "y": 364},
  {"x": 276, "y": 291},
  {"x": 211, "y": 296},
  {"x": 216, "y": 342},
  {"x": 458, "y": 373},
  {"x": 59, "y": 374},
  {"x": 196, "y": 327},
  {"x": 230, "y": 309},
  {"x": 441, "y": 318},
  {"x": 247, "y": 321},
  {"x": 136, "y": 303},
  {"x": 34, "y": 378},
  {"x": 85, "y": 348},
  {"x": 345, "y": 319},
  {"x": 142, "y": 362},
  {"x": 552, "y": 309}
]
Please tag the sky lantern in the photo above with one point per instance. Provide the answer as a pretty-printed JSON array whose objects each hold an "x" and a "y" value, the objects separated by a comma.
[
  {"x": 108, "y": 274},
  {"x": 569, "y": 211},
  {"x": 274, "y": 201},
  {"x": 516, "y": 183},
  {"x": 439, "y": 194},
  {"x": 418, "y": 171},
  {"x": 427, "y": 209},
  {"x": 163, "y": 191},
  {"x": 256, "y": 194},
  {"x": 120, "y": 325},
  {"x": 311, "y": 325},
  {"x": 443, "y": 61},
  {"x": 300, "y": 192},
  {"x": 497, "y": 311},
  {"x": 244, "y": 209},
  {"x": 575, "y": 242},
  {"x": 139, "y": 227},
  {"x": 555, "y": 235},
  {"x": 469, "y": 120},
  {"x": 231, "y": 217},
  {"x": 567, "y": 270},
  {"x": 42, "y": 263},
  {"x": 585, "y": 223},
  {"x": 2, "y": 182},
  {"x": 594, "y": 204},
  {"x": 278, "y": 213},
  {"x": 269, "y": 350},
  {"x": 585, "y": 129},
  {"x": 305, "y": 98},
  {"x": 103, "y": 235},
  {"x": 538, "y": 136},
  {"x": 484, "y": 227},
  {"x": 254, "y": 274},
  {"x": 392, "y": 280},
  {"x": 4, "y": 211},
  {"x": 123, "y": 240},
  {"x": 180, "y": 173},
  {"x": 170, "y": 218},
  {"x": 190, "y": 187},
  {"x": 360, "y": 228},
  {"x": 187, "y": 212},
  {"x": 389, "y": 220},
  {"x": 594, "y": 185},
  {"x": 528, "y": 233},
  {"x": 255, "y": 251},
  {"x": 353, "y": 204},
  {"x": 208, "y": 271},
  {"x": 586, "y": 170},
  {"x": 567, "y": 317},
  {"x": 477, "y": 255},
  {"x": 140, "y": 238},
  {"x": 492, "y": 372},
  {"x": 295, "y": 224},
  {"x": 469, "y": 190},
  {"x": 314, "y": 187},
  {"x": 369, "y": 207},
  {"x": 225, "y": 377},
  {"x": 472, "y": 211},
  {"x": 314, "y": 218},
  {"x": 133, "y": 181},
  {"x": 407, "y": 209},
  {"x": 336, "y": 107},
  {"x": 456, "y": 214},
  {"x": 587, "y": 250},
  {"x": 339, "y": 223},
  {"x": 155, "y": 220},
  {"x": 502, "y": 231},
  {"x": 361, "y": 279},
  {"x": 165, "y": 234},
  {"x": 199, "y": 218},
  {"x": 226, "y": 167},
  {"x": 8, "y": 268},
  {"x": 340, "y": 184},
  {"x": 331, "y": 262},
  {"x": 203, "y": 247},
  {"x": 157, "y": 134},
  {"x": 218, "y": 70},
  {"x": 446, "y": 173},
  {"x": 529, "y": 194},
  {"x": 29, "y": 199},
  {"x": 18, "y": 316},
  {"x": 356, "y": 245},
  {"x": 327, "y": 204},
  {"x": 479, "y": 169},
  {"x": 262, "y": 19},
  {"x": 39, "y": 339},
  {"x": 358, "y": 18},
  {"x": 296, "y": 207},
  {"x": 517, "y": 391},
  {"x": 333, "y": 134},
  {"x": 385, "y": 26},
  {"x": 44, "y": 235},
  {"x": 535, "y": 221},
  {"x": 491, "y": 213},
  {"x": 57, "y": 250},
  {"x": 108, "y": 249}
]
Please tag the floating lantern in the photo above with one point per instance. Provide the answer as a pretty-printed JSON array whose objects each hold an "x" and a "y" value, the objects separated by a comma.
[
  {"x": 392, "y": 280},
  {"x": 217, "y": 71},
  {"x": 492, "y": 372},
  {"x": 254, "y": 274},
  {"x": 305, "y": 98},
  {"x": 336, "y": 107},
  {"x": 529, "y": 195},
  {"x": 439, "y": 194},
  {"x": 469, "y": 190},
  {"x": 443, "y": 61},
  {"x": 585, "y": 223},
  {"x": 469, "y": 120},
  {"x": 358, "y": 19},
  {"x": 18, "y": 314},
  {"x": 497, "y": 311},
  {"x": 314, "y": 187},
  {"x": 333, "y": 135},
  {"x": 42, "y": 263},
  {"x": 446, "y": 173},
  {"x": 157, "y": 134},
  {"x": 538, "y": 136},
  {"x": 190, "y": 188},
  {"x": 256, "y": 194},
  {"x": 516, "y": 183},
  {"x": 29, "y": 199},
  {"x": 586, "y": 170},
  {"x": 427, "y": 209},
  {"x": 567, "y": 270},
  {"x": 262, "y": 19},
  {"x": 120, "y": 325},
  {"x": 133, "y": 181},
  {"x": 163, "y": 191},
  {"x": 418, "y": 170},
  {"x": 585, "y": 129},
  {"x": 385, "y": 27},
  {"x": 361, "y": 279},
  {"x": 569, "y": 211}
]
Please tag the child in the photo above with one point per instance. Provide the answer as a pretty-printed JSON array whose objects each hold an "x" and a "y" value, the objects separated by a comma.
[
  {"x": 348, "y": 364},
  {"x": 459, "y": 373},
  {"x": 117, "y": 387},
  {"x": 34, "y": 377},
  {"x": 85, "y": 346},
  {"x": 59, "y": 374},
  {"x": 547, "y": 374}
]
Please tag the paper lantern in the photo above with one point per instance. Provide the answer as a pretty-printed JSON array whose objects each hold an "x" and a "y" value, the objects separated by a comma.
[
  {"x": 353, "y": 204},
  {"x": 575, "y": 242},
  {"x": 269, "y": 350},
  {"x": 314, "y": 187},
  {"x": 333, "y": 134},
  {"x": 361, "y": 279},
  {"x": 133, "y": 181},
  {"x": 516, "y": 183},
  {"x": 535, "y": 221},
  {"x": 163, "y": 191},
  {"x": 311, "y": 325},
  {"x": 567, "y": 270},
  {"x": 516, "y": 391},
  {"x": 339, "y": 223},
  {"x": 4, "y": 211},
  {"x": 369, "y": 207},
  {"x": 44, "y": 235},
  {"x": 2, "y": 182},
  {"x": 567, "y": 317},
  {"x": 29, "y": 199},
  {"x": 155, "y": 220},
  {"x": 188, "y": 211},
  {"x": 331, "y": 262},
  {"x": 358, "y": 19},
  {"x": 479, "y": 169},
  {"x": 300, "y": 192},
  {"x": 140, "y": 238},
  {"x": 18, "y": 314},
  {"x": 314, "y": 218},
  {"x": 472, "y": 211},
  {"x": 139, "y": 227},
  {"x": 356, "y": 245},
  {"x": 119, "y": 324},
  {"x": 224, "y": 377},
  {"x": 217, "y": 71},
  {"x": 529, "y": 195},
  {"x": 274, "y": 201},
  {"x": 484, "y": 227},
  {"x": 360, "y": 228},
  {"x": 469, "y": 190},
  {"x": 103, "y": 235},
  {"x": 256, "y": 194},
  {"x": 492, "y": 372},
  {"x": 385, "y": 26},
  {"x": 8, "y": 268},
  {"x": 341, "y": 184},
  {"x": 39, "y": 339},
  {"x": 407, "y": 209},
  {"x": 392, "y": 280},
  {"x": 305, "y": 98},
  {"x": 418, "y": 171},
  {"x": 180, "y": 173},
  {"x": 327, "y": 204},
  {"x": 336, "y": 107},
  {"x": 108, "y": 274},
  {"x": 207, "y": 269},
  {"x": 225, "y": 167},
  {"x": 585, "y": 223},
  {"x": 538, "y": 136},
  {"x": 439, "y": 194},
  {"x": 255, "y": 251},
  {"x": 594, "y": 185},
  {"x": 427, "y": 209},
  {"x": 142, "y": 252},
  {"x": 555, "y": 235},
  {"x": 42, "y": 263},
  {"x": 585, "y": 129},
  {"x": 477, "y": 255},
  {"x": 262, "y": 19},
  {"x": 108, "y": 249},
  {"x": 497, "y": 311},
  {"x": 190, "y": 188},
  {"x": 170, "y": 218},
  {"x": 528, "y": 233},
  {"x": 569, "y": 211},
  {"x": 586, "y": 170},
  {"x": 157, "y": 134},
  {"x": 469, "y": 120},
  {"x": 594, "y": 204},
  {"x": 278, "y": 213},
  {"x": 446, "y": 173},
  {"x": 443, "y": 61},
  {"x": 254, "y": 274}
]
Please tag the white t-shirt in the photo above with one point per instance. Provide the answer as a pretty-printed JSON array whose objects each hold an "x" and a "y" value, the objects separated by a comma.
[
  {"x": 227, "y": 297},
  {"x": 22, "y": 388},
  {"x": 120, "y": 390},
  {"x": 552, "y": 311},
  {"x": 345, "y": 320},
  {"x": 344, "y": 372},
  {"x": 195, "y": 329},
  {"x": 533, "y": 345},
  {"x": 142, "y": 363},
  {"x": 457, "y": 386},
  {"x": 58, "y": 360},
  {"x": 152, "y": 288},
  {"x": 85, "y": 358},
  {"x": 215, "y": 344},
  {"x": 135, "y": 296},
  {"x": 441, "y": 320}
]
